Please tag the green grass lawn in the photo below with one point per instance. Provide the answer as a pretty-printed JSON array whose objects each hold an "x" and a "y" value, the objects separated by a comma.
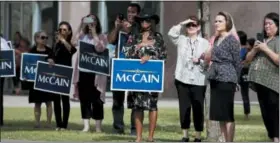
[{"x": 19, "y": 126}]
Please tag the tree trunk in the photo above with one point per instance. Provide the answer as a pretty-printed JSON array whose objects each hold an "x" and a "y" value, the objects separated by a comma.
[{"x": 212, "y": 127}]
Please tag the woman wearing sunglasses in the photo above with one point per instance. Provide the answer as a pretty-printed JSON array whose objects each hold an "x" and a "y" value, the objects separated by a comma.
[
  {"x": 91, "y": 87},
  {"x": 190, "y": 72},
  {"x": 35, "y": 96},
  {"x": 63, "y": 56},
  {"x": 146, "y": 45}
]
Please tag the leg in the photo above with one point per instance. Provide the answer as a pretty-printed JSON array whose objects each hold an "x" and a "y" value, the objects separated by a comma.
[
  {"x": 262, "y": 98},
  {"x": 223, "y": 129},
  {"x": 132, "y": 122},
  {"x": 98, "y": 110},
  {"x": 1, "y": 101},
  {"x": 153, "y": 114},
  {"x": 118, "y": 111},
  {"x": 37, "y": 114},
  {"x": 245, "y": 97},
  {"x": 86, "y": 113},
  {"x": 49, "y": 114},
  {"x": 57, "y": 111},
  {"x": 184, "y": 108},
  {"x": 273, "y": 113},
  {"x": 139, "y": 117},
  {"x": 198, "y": 95},
  {"x": 230, "y": 129},
  {"x": 66, "y": 111}
]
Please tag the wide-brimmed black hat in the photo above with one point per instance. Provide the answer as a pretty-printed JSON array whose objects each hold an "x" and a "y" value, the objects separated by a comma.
[{"x": 145, "y": 16}]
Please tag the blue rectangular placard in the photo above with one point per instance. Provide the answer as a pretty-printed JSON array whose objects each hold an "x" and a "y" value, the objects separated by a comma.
[
  {"x": 28, "y": 65},
  {"x": 122, "y": 40},
  {"x": 54, "y": 79},
  {"x": 92, "y": 61},
  {"x": 131, "y": 75},
  {"x": 7, "y": 63}
]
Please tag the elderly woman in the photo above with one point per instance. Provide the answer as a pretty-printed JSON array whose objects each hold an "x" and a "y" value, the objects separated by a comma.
[
  {"x": 146, "y": 45},
  {"x": 264, "y": 74},
  {"x": 224, "y": 73},
  {"x": 190, "y": 74}
]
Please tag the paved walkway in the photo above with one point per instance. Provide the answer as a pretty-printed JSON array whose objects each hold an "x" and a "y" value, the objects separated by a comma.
[{"x": 22, "y": 101}]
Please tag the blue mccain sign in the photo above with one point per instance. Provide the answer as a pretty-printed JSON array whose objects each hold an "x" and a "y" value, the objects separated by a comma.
[
  {"x": 29, "y": 66},
  {"x": 7, "y": 63},
  {"x": 92, "y": 61},
  {"x": 53, "y": 79},
  {"x": 122, "y": 40},
  {"x": 131, "y": 75}
]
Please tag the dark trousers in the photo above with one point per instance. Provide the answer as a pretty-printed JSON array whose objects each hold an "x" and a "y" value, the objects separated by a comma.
[
  {"x": 269, "y": 105},
  {"x": 61, "y": 122},
  {"x": 1, "y": 101},
  {"x": 91, "y": 104},
  {"x": 118, "y": 111},
  {"x": 244, "y": 85},
  {"x": 191, "y": 96},
  {"x": 16, "y": 79}
]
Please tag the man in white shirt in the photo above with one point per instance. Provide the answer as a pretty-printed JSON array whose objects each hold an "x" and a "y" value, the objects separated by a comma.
[{"x": 4, "y": 46}]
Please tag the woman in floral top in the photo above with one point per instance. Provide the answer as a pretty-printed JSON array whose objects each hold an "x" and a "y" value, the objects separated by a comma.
[{"x": 146, "y": 45}]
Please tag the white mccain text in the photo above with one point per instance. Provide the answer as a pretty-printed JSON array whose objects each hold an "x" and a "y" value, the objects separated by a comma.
[
  {"x": 53, "y": 80},
  {"x": 94, "y": 60},
  {"x": 138, "y": 78},
  {"x": 5, "y": 65}
]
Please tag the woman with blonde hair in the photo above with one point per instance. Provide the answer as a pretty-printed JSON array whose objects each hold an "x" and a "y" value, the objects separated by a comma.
[
  {"x": 35, "y": 96},
  {"x": 224, "y": 73}
]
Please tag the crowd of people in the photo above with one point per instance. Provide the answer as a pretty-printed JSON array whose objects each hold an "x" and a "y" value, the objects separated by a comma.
[{"x": 225, "y": 61}]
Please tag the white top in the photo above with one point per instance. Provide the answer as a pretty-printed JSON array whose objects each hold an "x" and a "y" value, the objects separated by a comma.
[
  {"x": 4, "y": 44},
  {"x": 187, "y": 72}
]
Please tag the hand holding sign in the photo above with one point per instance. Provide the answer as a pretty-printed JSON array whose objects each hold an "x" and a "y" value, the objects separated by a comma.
[
  {"x": 51, "y": 62},
  {"x": 145, "y": 59}
]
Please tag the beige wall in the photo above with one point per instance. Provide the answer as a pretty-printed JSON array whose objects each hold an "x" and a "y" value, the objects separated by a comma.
[
  {"x": 174, "y": 12},
  {"x": 248, "y": 16}
]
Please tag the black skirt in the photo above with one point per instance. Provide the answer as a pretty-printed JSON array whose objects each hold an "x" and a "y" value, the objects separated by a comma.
[
  {"x": 36, "y": 96},
  {"x": 222, "y": 101}
]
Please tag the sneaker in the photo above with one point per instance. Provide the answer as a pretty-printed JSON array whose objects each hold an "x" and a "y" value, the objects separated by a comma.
[
  {"x": 120, "y": 131},
  {"x": 57, "y": 129},
  {"x": 185, "y": 139}
]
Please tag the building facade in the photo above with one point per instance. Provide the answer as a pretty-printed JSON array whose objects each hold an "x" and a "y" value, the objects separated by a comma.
[{"x": 28, "y": 17}]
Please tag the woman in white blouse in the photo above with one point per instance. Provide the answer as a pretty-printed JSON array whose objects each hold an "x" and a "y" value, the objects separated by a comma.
[
  {"x": 4, "y": 46},
  {"x": 190, "y": 71}
]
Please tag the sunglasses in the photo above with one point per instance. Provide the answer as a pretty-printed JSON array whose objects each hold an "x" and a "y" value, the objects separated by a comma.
[
  {"x": 191, "y": 25},
  {"x": 62, "y": 29},
  {"x": 44, "y": 37}
]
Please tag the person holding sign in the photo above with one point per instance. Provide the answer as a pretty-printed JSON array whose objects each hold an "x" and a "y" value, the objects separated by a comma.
[
  {"x": 91, "y": 87},
  {"x": 4, "y": 46},
  {"x": 36, "y": 96},
  {"x": 190, "y": 78},
  {"x": 147, "y": 45},
  {"x": 64, "y": 51},
  {"x": 128, "y": 26}
]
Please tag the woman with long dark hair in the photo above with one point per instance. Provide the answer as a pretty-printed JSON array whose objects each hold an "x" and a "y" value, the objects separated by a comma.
[
  {"x": 224, "y": 73},
  {"x": 91, "y": 87},
  {"x": 264, "y": 74},
  {"x": 64, "y": 51},
  {"x": 35, "y": 96},
  {"x": 146, "y": 45}
]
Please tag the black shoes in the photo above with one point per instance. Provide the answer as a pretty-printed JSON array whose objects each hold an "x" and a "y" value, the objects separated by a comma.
[{"x": 187, "y": 140}]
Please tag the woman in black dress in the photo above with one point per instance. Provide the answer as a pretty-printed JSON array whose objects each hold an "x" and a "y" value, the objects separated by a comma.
[
  {"x": 224, "y": 73},
  {"x": 64, "y": 51},
  {"x": 39, "y": 97}
]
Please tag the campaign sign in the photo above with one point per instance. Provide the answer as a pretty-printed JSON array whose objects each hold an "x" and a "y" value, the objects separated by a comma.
[
  {"x": 92, "y": 61},
  {"x": 54, "y": 79},
  {"x": 122, "y": 40},
  {"x": 7, "y": 63},
  {"x": 131, "y": 75},
  {"x": 29, "y": 66}
]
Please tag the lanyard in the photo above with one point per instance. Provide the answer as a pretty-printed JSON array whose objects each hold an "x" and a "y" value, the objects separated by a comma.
[{"x": 192, "y": 47}]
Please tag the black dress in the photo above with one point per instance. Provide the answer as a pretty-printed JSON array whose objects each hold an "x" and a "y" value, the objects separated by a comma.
[{"x": 36, "y": 96}]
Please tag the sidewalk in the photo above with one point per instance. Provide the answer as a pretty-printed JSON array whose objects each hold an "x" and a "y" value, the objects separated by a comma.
[{"x": 22, "y": 101}]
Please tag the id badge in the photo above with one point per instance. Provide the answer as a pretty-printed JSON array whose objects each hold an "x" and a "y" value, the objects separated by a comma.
[{"x": 191, "y": 76}]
